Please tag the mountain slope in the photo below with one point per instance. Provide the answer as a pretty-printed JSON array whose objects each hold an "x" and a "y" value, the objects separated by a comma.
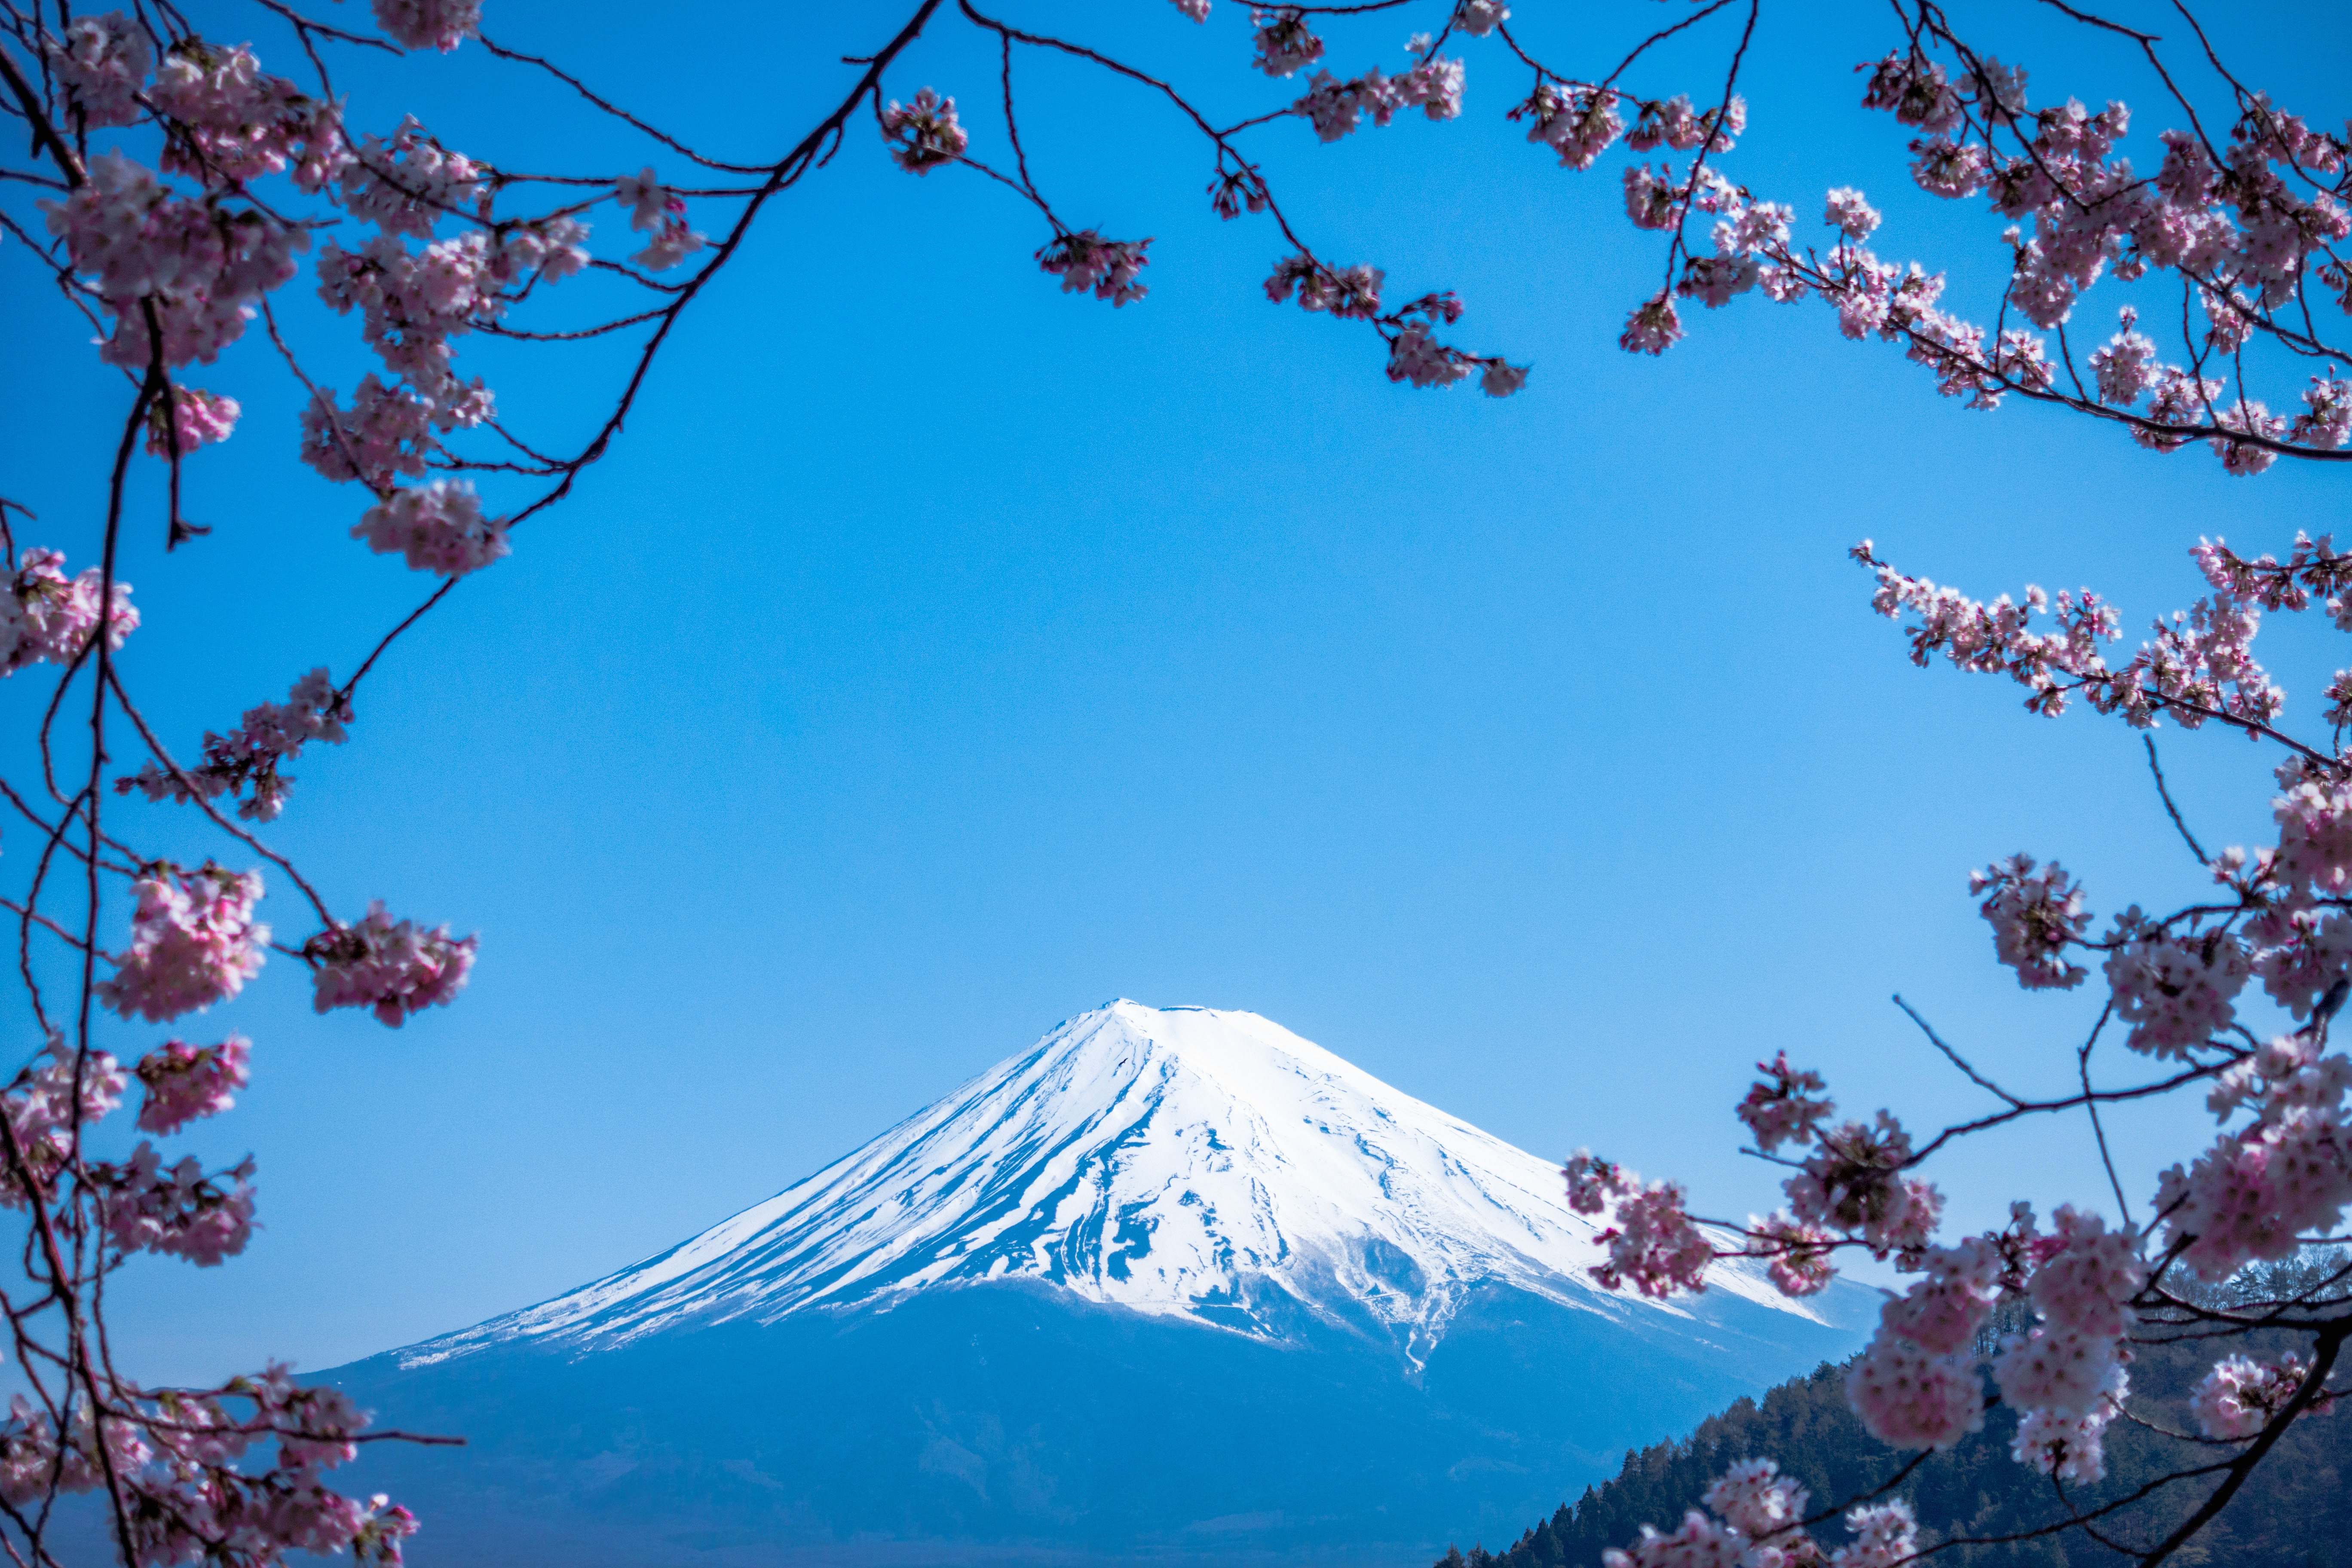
[
  {"x": 1174, "y": 1162},
  {"x": 1173, "y": 1283}
]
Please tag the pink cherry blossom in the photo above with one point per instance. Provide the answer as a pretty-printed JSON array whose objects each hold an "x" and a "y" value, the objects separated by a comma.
[
  {"x": 387, "y": 431},
  {"x": 669, "y": 247},
  {"x": 1085, "y": 261},
  {"x": 405, "y": 184},
  {"x": 44, "y": 1112},
  {"x": 1701, "y": 1542},
  {"x": 646, "y": 198},
  {"x": 652, "y": 207},
  {"x": 43, "y": 615},
  {"x": 32, "y": 1459},
  {"x": 1673, "y": 123},
  {"x": 1653, "y": 1245},
  {"x": 438, "y": 527},
  {"x": 2176, "y": 992},
  {"x": 2034, "y": 916},
  {"x": 2244, "y": 418},
  {"x": 2240, "y": 1396},
  {"x": 2091, "y": 1274},
  {"x": 1910, "y": 1397},
  {"x": 1284, "y": 44},
  {"x": 2062, "y": 1369},
  {"x": 2125, "y": 367},
  {"x": 1852, "y": 1183},
  {"x": 2314, "y": 853},
  {"x": 1798, "y": 1254},
  {"x": 1652, "y": 328},
  {"x": 198, "y": 265},
  {"x": 395, "y": 968},
  {"x": 1786, "y": 1105},
  {"x": 1850, "y": 214},
  {"x": 1480, "y": 17},
  {"x": 2301, "y": 955},
  {"x": 440, "y": 25},
  {"x": 1578, "y": 123},
  {"x": 177, "y": 1210},
  {"x": 1756, "y": 1500},
  {"x": 1416, "y": 357},
  {"x": 924, "y": 135},
  {"x": 1501, "y": 380},
  {"x": 1351, "y": 293},
  {"x": 198, "y": 418},
  {"x": 1940, "y": 1315},
  {"x": 185, "y": 1083},
  {"x": 102, "y": 62},
  {"x": 2070, "y": 1447},
  {"x": 1593, "y": 1181},
  {"x": 1884, "y": 1535},
  {"x": 2327, "y": 419},
  {"x": 2255, "y": 1193},
  {"x": 1916, "y": 91},
  {"x": 193, "y": 941},
  {"x": 234, "y": 122},
  {"x": 1336, "y": 108}
]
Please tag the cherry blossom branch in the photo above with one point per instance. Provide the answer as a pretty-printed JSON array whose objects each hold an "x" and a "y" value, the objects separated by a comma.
[{"x": 2156, "y": 769}]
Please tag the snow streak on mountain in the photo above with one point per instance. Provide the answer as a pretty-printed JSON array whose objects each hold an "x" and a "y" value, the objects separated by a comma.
[{"x": 1178, "y": 1163}]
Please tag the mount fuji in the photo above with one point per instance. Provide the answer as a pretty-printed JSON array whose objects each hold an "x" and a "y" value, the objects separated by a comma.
[{"x": 1172, "y": 1284}]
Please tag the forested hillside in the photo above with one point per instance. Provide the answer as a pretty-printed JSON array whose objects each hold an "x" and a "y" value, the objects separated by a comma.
[{"x": 2294, "y": 1512}]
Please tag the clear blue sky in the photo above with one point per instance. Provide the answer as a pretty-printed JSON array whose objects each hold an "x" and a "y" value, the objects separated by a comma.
[{"x": 938, "y": 655}]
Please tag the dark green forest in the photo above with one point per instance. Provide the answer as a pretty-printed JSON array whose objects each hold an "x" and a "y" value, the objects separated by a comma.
[{"x": 2294, "y": 1513}]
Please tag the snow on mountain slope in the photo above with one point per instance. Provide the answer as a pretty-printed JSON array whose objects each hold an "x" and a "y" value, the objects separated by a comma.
[{"x": 1182, "y": 1161}]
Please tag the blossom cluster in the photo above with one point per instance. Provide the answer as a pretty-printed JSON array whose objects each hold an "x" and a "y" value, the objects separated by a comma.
[
  {"x": 396, "y": 968},
  {"x": 188, "y": 419},
  {"x": 194, "y": 267},
  {"x": 440, "y": 25},
  {"x": 2034, "y": 915},
  {"x": 177, "y": 1210},
  {"x": 197, "y": 266},
  {"x": 387, "y": 431},
  {"x": 1757, "y": 1520},
  {"x": 2240, "y": 1396},
  {"x": 2198, "y": 667},
  {"x": 46, "y": 1105},
  {"x": 1651, "y": 1243},
  {"x": 1336, "y": 108},
  {"x": 250, "y": 757},
  {"x": 924, "y": 135},
  {"x": 438, "y": 527},
  {"x": 185, "y": 1083},
  {"x": 2245, "y": 228},
  {"x": 411, "y": 303},
  {"x": 193, "y": 941},
  {"x": 183, "y": 1462},
  {"x": 656, "y": 209},
  {"x": 1087, "y": 262},
  {"x": 2263, "y": 1186},
  {"x": 45, "y": 615},
  {"x": 1284, "y": 44}
]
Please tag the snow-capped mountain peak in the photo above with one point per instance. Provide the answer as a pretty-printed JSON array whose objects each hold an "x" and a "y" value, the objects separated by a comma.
[{"x": 1175, "y": 1162}]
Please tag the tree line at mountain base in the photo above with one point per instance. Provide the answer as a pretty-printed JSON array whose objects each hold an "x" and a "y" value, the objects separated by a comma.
[{"x": 2294, "y": 1510}]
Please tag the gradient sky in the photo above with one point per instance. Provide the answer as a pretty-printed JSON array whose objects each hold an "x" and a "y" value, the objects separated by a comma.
[{"x": 938, "y": 655}]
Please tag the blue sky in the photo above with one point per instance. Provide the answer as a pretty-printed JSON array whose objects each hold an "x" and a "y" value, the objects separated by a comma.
[{"x": 937, "y": 655}]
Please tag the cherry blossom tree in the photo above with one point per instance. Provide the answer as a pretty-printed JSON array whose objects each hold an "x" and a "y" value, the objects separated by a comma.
[
  {"x": 2271, "y": 1188},
  {"x": 171, "y": 186}
]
